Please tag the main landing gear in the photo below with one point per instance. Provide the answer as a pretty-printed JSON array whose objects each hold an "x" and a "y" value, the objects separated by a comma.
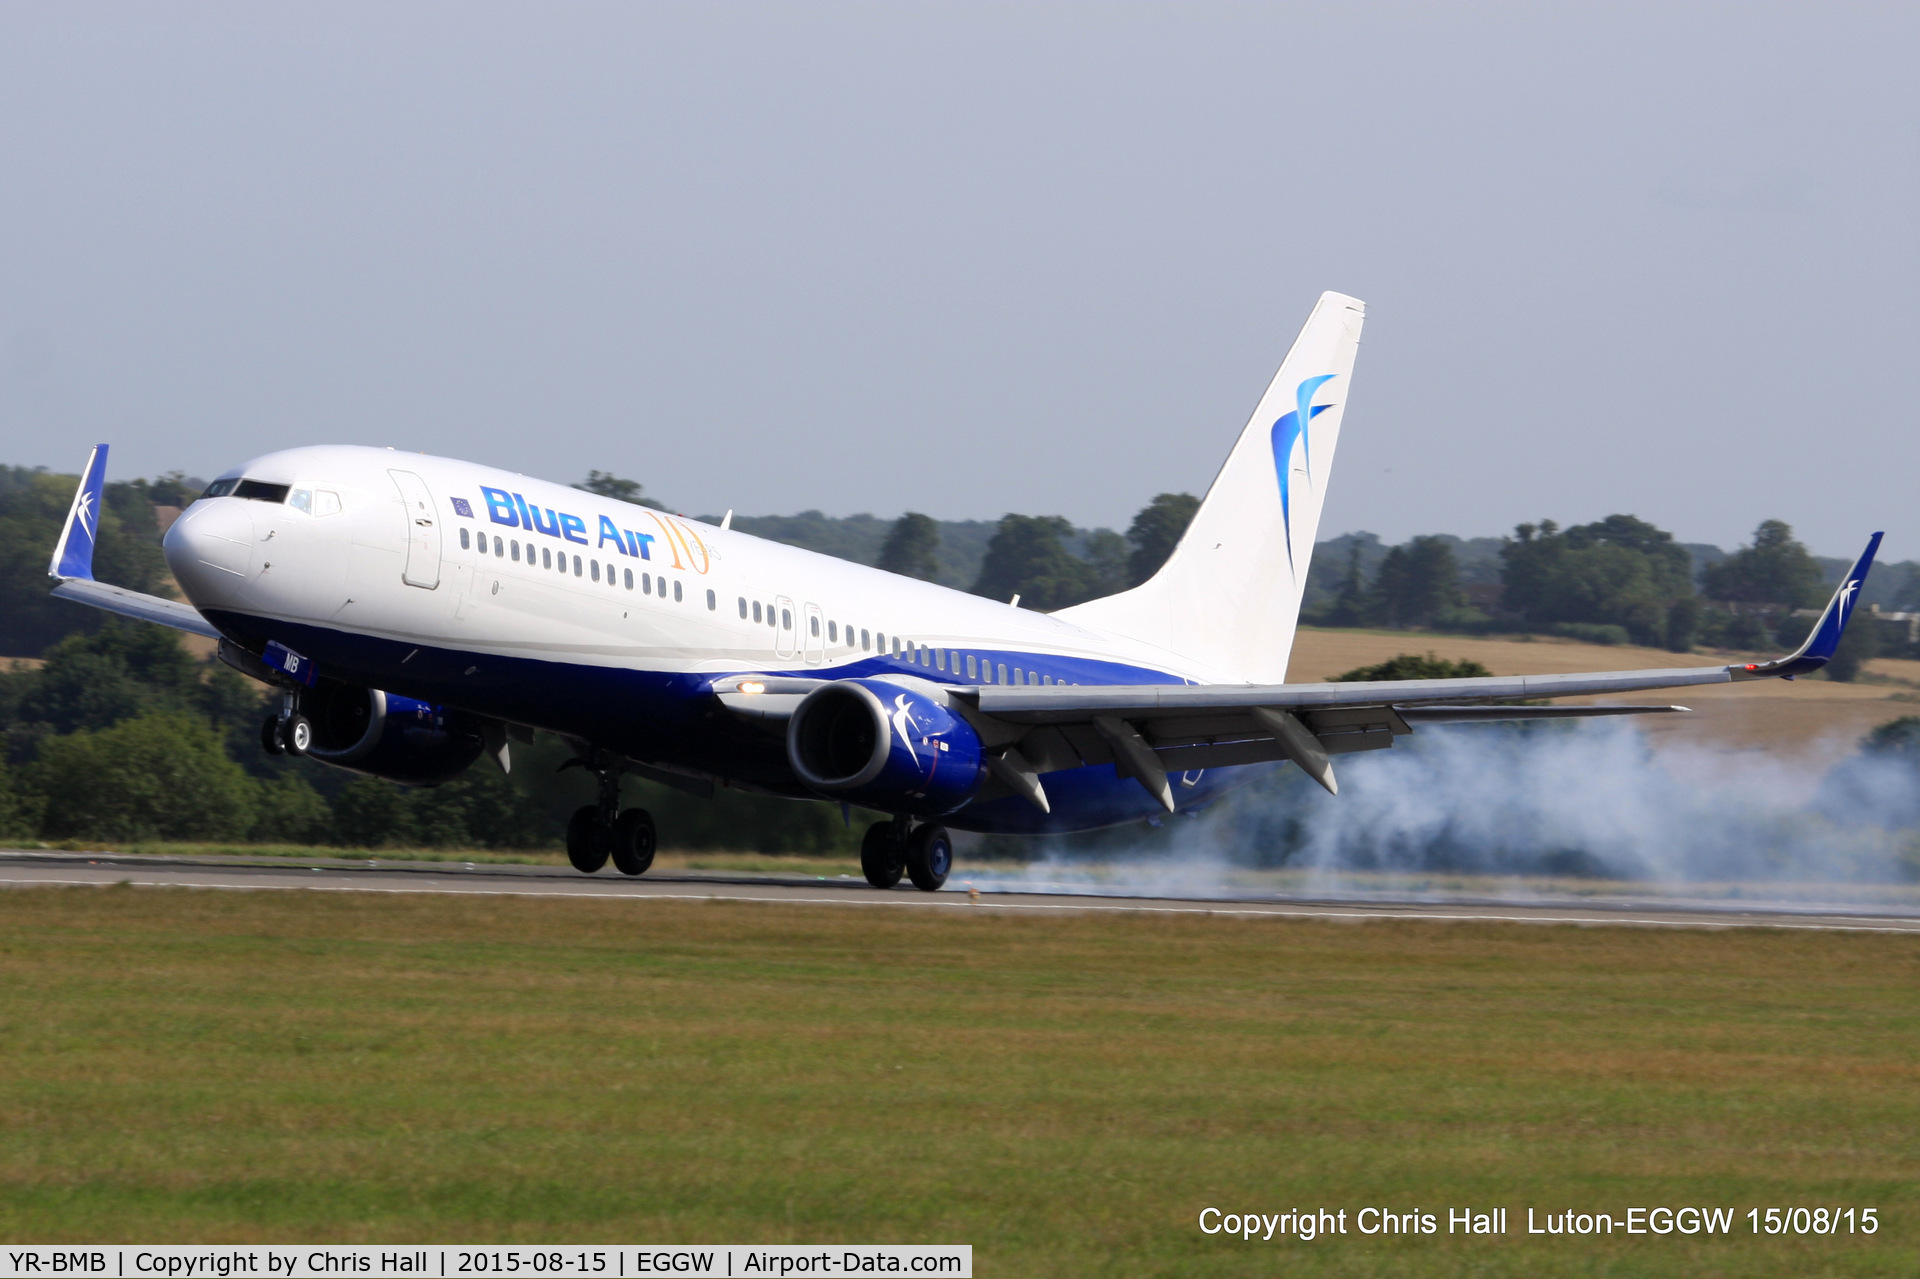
[
  {"x": 289, "y": 732},
  {"x": 600, "y": 832},
  {"x": 893, "y": 848}
]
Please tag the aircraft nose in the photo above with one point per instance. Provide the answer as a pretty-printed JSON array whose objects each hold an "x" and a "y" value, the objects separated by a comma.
[{"x": 210, "y": 548}]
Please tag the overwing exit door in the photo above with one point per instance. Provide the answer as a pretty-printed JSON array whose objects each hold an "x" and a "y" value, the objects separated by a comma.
[{"x": 816, "y": 636}]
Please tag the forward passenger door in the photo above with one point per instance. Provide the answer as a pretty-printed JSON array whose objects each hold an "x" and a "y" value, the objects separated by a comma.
[{"x": 423, "y": 531}]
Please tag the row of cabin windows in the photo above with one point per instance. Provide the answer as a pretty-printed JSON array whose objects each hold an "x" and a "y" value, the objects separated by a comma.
[
  {"x": 510, "y": 549},
  {"x": 977, "y": 667}
]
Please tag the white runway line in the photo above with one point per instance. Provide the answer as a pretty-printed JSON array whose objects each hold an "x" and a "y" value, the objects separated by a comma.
[{"x": 779, "y": 894}]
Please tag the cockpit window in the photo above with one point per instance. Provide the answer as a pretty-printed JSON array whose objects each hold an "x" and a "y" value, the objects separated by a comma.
[
  {"x": 220, "y": 488},
  {"x": 260, "y": 492},
  {"x": 301, "y": 500}
]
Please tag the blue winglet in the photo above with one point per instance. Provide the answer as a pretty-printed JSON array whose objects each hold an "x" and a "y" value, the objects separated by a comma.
[
  {"x": 73, "y": 554},
  {"x": 1825, "y": 637}
]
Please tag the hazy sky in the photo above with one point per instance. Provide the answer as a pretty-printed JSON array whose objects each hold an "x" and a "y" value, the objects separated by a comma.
[{"x": 1661, "y": 259}]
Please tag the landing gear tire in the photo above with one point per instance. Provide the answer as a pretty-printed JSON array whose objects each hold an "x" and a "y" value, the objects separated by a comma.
[
  {"x": 271, "y": 740},
  {"x": 298, "y": 735},
  {"x": 929, "y": 858},
  {"x": 880, "y": 856},
  {"x": 587, "y": 839},
  {"x": 633, "y": 842}
]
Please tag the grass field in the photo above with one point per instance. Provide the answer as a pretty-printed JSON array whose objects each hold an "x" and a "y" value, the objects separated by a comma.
[
  {"x": 1813, "y": 721},
  {"x": 1065, "y": 1094}
]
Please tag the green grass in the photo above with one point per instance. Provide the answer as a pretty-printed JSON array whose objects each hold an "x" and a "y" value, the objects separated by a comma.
[
  {"x": 801, "y": 865},
  {"x": 1065, "y": 1093}
]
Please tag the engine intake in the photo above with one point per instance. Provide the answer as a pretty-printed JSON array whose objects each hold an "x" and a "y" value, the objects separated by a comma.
[
  {"x": 886, "y": 746},
  {"x": 387, "y": 735}
]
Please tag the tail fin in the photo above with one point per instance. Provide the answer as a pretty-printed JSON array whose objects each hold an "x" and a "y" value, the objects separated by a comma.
[
  {"x": 73, "y": 554},
  {"x": 1229, "y": 596}
]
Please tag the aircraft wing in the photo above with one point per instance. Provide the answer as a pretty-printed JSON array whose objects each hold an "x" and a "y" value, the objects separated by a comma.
[
  {"x": 72, "y": 564},
  {"x": 1151, "y": 730}
]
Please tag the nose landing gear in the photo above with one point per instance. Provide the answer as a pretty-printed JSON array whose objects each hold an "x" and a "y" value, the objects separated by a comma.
[
  {"x": 289, "y": 732},
  {"x": 599, "y": 832}
]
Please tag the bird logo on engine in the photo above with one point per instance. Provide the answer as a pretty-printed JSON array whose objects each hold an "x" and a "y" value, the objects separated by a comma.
[{"x": 903, "y": 721}]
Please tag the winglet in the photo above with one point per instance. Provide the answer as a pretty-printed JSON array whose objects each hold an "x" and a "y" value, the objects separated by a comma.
[
  {"x": 73, "y": 555},
  {"x": 1825, "y": 636}
]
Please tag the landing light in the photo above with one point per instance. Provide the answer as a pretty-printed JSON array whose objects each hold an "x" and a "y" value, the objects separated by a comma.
[{"x": 752, "y": 686}]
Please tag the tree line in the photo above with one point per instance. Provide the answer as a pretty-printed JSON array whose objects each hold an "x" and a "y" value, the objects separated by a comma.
[{"x": 1620, "y": 580}]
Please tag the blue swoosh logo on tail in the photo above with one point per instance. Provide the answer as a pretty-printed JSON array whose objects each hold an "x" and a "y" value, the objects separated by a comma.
[{"x": 1290, "y": 428}]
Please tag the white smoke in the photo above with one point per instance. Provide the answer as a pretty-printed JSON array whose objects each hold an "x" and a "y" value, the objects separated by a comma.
[{"x": 1514, "y": 811}]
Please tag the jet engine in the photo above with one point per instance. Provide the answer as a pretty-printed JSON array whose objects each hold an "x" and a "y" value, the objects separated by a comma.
[
  {"x": 387, "y": 735},
  {"x": 879, "y": 744}
]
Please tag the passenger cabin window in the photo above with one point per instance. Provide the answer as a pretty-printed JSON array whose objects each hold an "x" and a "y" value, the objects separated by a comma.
[
  {"x": 546, "y": 558},
  {"x": 515, "y": 548},
  {"x": 577, "y": 572},
  {"x": 786, "y": 620},
  {"x": 1003, "y": 674},
  {"x": 833, "y": 633},
  {"x": 866, "y": 641},
  {"x": 713, "y": 602},
  {"x": 969, "y": 665},
  {"x": 466, "y": 542},
  {"x": 629, "y": 578},
  {"x": 756, "y": 610},
  {"x": 499, "y": 549},
  {"x": 743, "y": 608},
  {"x": 676, "y": 592},
  {"x": 813, "y": 627}
]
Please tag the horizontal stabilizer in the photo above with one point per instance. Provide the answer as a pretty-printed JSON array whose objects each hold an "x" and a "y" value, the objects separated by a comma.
[
  {"x": 147, "y": 608},
  {"x": 72, "y": 563}
]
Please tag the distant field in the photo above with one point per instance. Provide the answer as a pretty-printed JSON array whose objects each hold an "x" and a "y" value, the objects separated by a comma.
[
  {"x": 1807, "y": 719},
  {"x": 1065, "y": 1094}
]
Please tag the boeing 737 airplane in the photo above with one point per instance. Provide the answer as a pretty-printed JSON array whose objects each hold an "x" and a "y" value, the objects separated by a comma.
[{"x": 417, "y": 612}]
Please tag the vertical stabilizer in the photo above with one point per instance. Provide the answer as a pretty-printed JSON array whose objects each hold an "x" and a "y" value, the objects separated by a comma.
[
  {"x": 1229, "y": 596},
  {"x": 73, "y": 554}
]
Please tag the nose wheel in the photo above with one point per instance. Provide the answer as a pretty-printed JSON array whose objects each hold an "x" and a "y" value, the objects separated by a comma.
[{"x": 289, "y": 732}]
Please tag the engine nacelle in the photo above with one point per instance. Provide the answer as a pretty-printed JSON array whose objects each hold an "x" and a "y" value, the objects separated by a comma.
[
  {"x": 388, "y": 735},
  {"x": 885, "y": 746}
]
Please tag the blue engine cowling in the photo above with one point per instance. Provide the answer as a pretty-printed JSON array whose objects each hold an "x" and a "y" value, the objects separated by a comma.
[
  {"x": 881, "y": 745},
  {"x": 388, "y": 735}
]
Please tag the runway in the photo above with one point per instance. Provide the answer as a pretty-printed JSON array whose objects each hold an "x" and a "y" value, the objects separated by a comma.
[{"x": 21, "y": 869}]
